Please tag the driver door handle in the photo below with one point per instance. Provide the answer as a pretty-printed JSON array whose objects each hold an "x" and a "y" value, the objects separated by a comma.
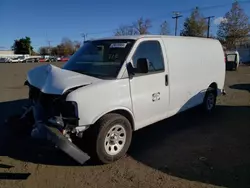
[{"x": 166, "y": 80}]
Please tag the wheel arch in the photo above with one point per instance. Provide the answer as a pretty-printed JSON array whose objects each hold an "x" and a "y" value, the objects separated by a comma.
[
  {"x": 122, "y": 111},
  {"x": 214, "y": 86}
]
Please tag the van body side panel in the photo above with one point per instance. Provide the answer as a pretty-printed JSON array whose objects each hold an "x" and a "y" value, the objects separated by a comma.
[
  {"x": 193, "y": 65},
  {"x": 214, "y": 63}
]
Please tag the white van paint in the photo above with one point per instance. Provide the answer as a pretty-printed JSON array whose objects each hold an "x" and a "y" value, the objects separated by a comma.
[
  {"x": 190, "y": 69},
  {"x": 191, "y": 66}
]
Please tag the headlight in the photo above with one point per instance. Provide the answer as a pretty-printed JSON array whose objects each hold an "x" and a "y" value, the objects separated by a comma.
[{"x": 69, "y": 109}]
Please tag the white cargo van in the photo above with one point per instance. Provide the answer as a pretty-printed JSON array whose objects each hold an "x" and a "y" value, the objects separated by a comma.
[{"x": 113, "y": 86}]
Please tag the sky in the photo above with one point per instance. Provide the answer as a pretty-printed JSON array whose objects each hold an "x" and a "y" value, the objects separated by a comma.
[{"x": 51, "y": 20}]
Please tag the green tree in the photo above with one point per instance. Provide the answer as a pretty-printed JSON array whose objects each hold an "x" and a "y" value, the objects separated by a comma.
[
  {"x": 22, "y": 46},
  {"x": 195, "y": 25},
  {"x": 235, "y": 27},
  {"x": 164, "y": 28}
]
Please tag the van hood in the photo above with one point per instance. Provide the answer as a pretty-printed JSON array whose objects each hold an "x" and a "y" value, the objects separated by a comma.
[{"x": 54, "y": 80}]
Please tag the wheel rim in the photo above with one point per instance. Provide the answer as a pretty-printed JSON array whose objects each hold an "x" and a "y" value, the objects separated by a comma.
[
  {"x": 115, "y": 140},
  {"x": 210, "y": 101}
]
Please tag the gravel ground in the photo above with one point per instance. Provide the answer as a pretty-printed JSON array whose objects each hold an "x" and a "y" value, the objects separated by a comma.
[{"x": 187, "y": 150}]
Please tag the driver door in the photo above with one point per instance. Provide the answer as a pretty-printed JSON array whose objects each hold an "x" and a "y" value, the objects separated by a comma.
[{"x": 150, "y": 91}]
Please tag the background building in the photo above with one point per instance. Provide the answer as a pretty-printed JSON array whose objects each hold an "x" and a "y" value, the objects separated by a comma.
[{"x": 6, "y": 52}]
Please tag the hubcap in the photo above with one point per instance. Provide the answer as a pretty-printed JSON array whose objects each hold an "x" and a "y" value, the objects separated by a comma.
[
  {"x": 115, "y": 140},
  {"x": 210, "y": 101}
]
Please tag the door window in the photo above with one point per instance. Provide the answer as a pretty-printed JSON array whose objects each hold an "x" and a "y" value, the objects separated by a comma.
[{"x": 152, "y": 51}]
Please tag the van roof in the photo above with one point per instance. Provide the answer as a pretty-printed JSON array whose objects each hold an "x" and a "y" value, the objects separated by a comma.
[{"x": 135, "y": 37}]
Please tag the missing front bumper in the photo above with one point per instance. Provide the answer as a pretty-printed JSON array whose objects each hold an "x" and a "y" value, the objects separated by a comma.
[
  {"x": 52, "y": 132},
  {"x": 65, "y": 145}
]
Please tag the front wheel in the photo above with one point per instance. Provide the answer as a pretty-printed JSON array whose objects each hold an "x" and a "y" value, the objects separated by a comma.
[
  {"x": 112, "y": 136},
  {"x": 209, "y": 101}
]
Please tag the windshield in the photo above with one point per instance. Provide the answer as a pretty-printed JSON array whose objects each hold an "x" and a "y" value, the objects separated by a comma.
[{"x": 100, "y": 58}]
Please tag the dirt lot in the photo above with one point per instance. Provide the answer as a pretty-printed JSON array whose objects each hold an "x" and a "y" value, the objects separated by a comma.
[{"x": 188, "y": 150}]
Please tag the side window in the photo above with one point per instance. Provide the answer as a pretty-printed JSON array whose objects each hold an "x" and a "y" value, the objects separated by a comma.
[{"x": 152, "y": 51}]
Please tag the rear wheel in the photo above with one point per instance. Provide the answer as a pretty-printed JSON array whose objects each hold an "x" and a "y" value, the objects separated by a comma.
[
  {"x": 236, "y": 67},
  {"x": 209, "y": 101},
  {"x": 111, "y": 138}
]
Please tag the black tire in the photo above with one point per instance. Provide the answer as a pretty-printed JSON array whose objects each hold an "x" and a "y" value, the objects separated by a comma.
[
  {"x": 236, "y": 67},
  {"x": 209, "y": 101},
  {"x": 96, "y": 136}
]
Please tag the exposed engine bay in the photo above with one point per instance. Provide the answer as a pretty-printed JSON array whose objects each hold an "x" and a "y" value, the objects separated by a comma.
[{"x": 55, "y": 119}]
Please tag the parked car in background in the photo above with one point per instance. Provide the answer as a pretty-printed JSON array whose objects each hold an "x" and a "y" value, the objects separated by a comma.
[
  {"x": 16, "y": 60},
  {"x": 31, "y": 60},
  {"x": 5, "y": 60},
  {"x": 64, "y": 59},
  {"x": 232, "y": 60},
  {"x": 42, "y": 60},
  {"x": 52, "y": 59}
]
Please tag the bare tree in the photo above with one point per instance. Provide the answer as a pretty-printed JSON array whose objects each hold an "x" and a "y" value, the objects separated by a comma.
[
  {"x": 140, "y": 27},
  {"x": 65, "y": 48},
  {"x": 125, "y": 30},
  {"x": 164, "y": 28},
  {"x": 44, "y": 50},
  {"x": 77, "y": 45}
]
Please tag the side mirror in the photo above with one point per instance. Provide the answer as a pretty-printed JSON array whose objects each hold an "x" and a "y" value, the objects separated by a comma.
[
  {"x": 130, "y": 69},
  {"x": 142, "y": 65}
]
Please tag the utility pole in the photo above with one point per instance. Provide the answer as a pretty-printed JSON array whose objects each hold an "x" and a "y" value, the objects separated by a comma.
[
  {"x": 49, "y": 41},
  {"x": 208, "y": 25},
  {"x": 84, "y": 35},
  {"x": 176, "y": 17}
]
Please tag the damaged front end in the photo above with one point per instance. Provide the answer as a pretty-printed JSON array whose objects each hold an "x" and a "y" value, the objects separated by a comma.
[{"x": 56, "y": 119}]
